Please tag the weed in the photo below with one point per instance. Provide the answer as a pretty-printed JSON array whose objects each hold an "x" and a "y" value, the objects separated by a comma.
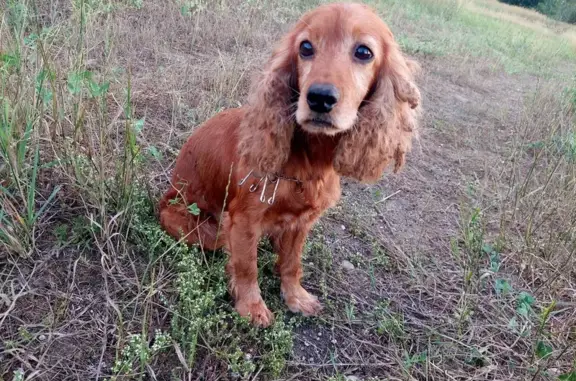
[
  {"x": 137, "y": 350},
  {"x": 388, "y": 323},
  {"x": 202, "y": 316},
  {"x": 349, "y": 310},
  {"x": 19, "y": 375},
  {"x": 411, "y": 361}
]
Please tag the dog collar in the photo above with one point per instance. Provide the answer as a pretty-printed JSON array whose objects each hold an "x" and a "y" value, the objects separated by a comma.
[{"x": 264, "y": 180}]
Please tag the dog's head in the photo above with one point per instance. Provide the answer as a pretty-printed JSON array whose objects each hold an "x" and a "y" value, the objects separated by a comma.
[{"x": 338, "y": 71}]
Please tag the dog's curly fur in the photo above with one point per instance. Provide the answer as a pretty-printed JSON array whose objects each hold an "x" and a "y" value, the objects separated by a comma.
[{"x": 266, "y": 139}]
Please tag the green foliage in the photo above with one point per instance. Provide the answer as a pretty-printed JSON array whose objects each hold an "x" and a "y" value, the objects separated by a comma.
[
  {"x": 524, "y": 303},
  {"x": 202, "y": 316},
  {"x": 473, "y": 246},
  {"x": 562, "y": 10},
  {"x": 194, "y": 209},
  {"x": 560, "y": 145},
  {"x": 415, "y": 359},
  {"x": 571, "y": 94},
  {"x": 502, "y": 287},
  {"x": 568, "y": 376},
  {"x": 543, "y": 350},
  {"x": 19, "y": 198},
  {"x": 137, "y": 350},
  {"x": 477, "y": 358},
  {"x": 18, "y": 375},
  {"x": 388, "y": 322},
  {"x": 494, "y": 257},
  {"x": 191, "y": 7},
  {"x": 522, "y": 3},
  {"x": 462, "y": 32}
]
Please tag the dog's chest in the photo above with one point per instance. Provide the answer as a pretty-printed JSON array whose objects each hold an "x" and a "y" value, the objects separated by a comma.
[{"x": 301, "y": 204}]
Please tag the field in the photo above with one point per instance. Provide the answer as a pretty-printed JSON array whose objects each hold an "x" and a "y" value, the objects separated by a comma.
[{"x": 461, "y": 267}]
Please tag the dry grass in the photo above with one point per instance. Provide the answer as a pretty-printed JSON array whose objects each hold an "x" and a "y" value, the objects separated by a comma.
[{"x": 463, "y": 265}]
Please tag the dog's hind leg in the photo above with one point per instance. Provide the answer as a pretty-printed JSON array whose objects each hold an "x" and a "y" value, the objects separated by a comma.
[{"x": 180, "y": 223}]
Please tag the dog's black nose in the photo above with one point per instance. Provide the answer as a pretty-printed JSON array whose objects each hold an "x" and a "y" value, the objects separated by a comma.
[{"x": 322, "y": 97}]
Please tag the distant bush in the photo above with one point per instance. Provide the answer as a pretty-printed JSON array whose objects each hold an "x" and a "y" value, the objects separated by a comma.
[
  {"x": 522, "y": 3},
  {"x": 562, "y": 10}
]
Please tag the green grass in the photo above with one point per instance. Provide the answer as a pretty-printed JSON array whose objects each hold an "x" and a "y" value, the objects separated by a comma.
[
  {"x": 449, "y": 28},
  {"x": 202, "y": 318}
]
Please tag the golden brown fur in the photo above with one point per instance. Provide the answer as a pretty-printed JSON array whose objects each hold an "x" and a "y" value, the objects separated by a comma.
[{"x": 276, "y": 136}]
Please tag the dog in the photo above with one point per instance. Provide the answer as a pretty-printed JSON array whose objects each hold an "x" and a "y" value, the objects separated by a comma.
[{"x": 336, "y": 98}]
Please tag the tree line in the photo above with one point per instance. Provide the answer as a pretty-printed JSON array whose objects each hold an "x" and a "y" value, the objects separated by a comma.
[{"x": 562, "y": 10}]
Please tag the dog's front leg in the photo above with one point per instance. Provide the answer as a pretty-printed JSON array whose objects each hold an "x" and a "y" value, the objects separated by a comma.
[
  {"x": 288, "y": 245},
  {"x": 244, "y": 234}
]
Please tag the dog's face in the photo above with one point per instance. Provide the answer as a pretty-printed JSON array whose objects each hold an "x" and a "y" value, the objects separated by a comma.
[
  {"x": 339, "y": 51},
  {"x": 338, "y": 71}
]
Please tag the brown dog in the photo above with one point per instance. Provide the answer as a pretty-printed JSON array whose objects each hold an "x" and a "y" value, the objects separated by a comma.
[{"x": 336, "y": 98}]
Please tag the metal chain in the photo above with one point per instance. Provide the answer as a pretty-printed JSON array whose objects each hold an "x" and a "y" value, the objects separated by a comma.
[{"x": 273, "y": 179}]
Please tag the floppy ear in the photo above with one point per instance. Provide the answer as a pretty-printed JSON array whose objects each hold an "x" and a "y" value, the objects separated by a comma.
[
  {"x": 268, "y": 124},
  {"x": 387, "y": 122}
]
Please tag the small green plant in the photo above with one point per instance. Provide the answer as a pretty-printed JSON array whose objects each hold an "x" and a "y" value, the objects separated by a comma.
[
  {"x": 194, "y": 209},
  {"x": 477, "y": 358},
  {"x": 493, "y": 257},
  {"x": 502, "y": 287},
  {"x": 21, "y": 204},
  {"x": 202, "y": 315},
  {"x": 470, "y": 251},
  {"x": 542, "y": 348},
  {"x": 18, "y": 375},
  {"x": 349, "y": 310},
  {"x": 388, "y": 322},
  {"x": 192, "y": 7},
  {"x": 380, "y": 255},
  {"x": 137, "y": 350},
  {"x": 524, "y": 303},
  {"x": 410, "y": 361}
]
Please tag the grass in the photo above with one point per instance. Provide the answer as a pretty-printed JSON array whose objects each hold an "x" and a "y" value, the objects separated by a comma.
[
  {"x": 463, "y": 266},
  {"x": 465, "y": 29}
]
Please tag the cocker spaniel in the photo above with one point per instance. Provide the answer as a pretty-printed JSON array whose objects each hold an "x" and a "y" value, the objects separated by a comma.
[{"x": 336, "y": 98}]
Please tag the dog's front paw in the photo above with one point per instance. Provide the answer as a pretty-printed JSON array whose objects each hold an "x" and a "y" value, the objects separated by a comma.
[
  {"x": 299, "y": 300},
  {"x": 256, "y": 311}
]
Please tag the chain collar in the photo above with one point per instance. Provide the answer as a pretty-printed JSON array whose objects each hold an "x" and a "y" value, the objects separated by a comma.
[{"x": 269, "y": 178}]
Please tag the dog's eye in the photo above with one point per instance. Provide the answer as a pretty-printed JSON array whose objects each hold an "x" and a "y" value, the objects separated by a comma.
[
  {"x": 363, "y": 53},
  {"x": 306, "y": 49}
]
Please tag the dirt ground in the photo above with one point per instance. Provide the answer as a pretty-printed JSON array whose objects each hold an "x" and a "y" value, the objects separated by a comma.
[{"x": 420, "y": 215}]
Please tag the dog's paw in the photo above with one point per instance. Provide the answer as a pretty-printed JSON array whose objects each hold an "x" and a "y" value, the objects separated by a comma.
[
  {"x": 257, "y": 312},
  {"x": 300, "y": 300}
]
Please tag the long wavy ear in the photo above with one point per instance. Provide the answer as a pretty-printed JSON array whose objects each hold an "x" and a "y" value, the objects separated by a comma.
[
  {"x": 268, "y": 125},
  {"x": 387, "y": 121}
]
